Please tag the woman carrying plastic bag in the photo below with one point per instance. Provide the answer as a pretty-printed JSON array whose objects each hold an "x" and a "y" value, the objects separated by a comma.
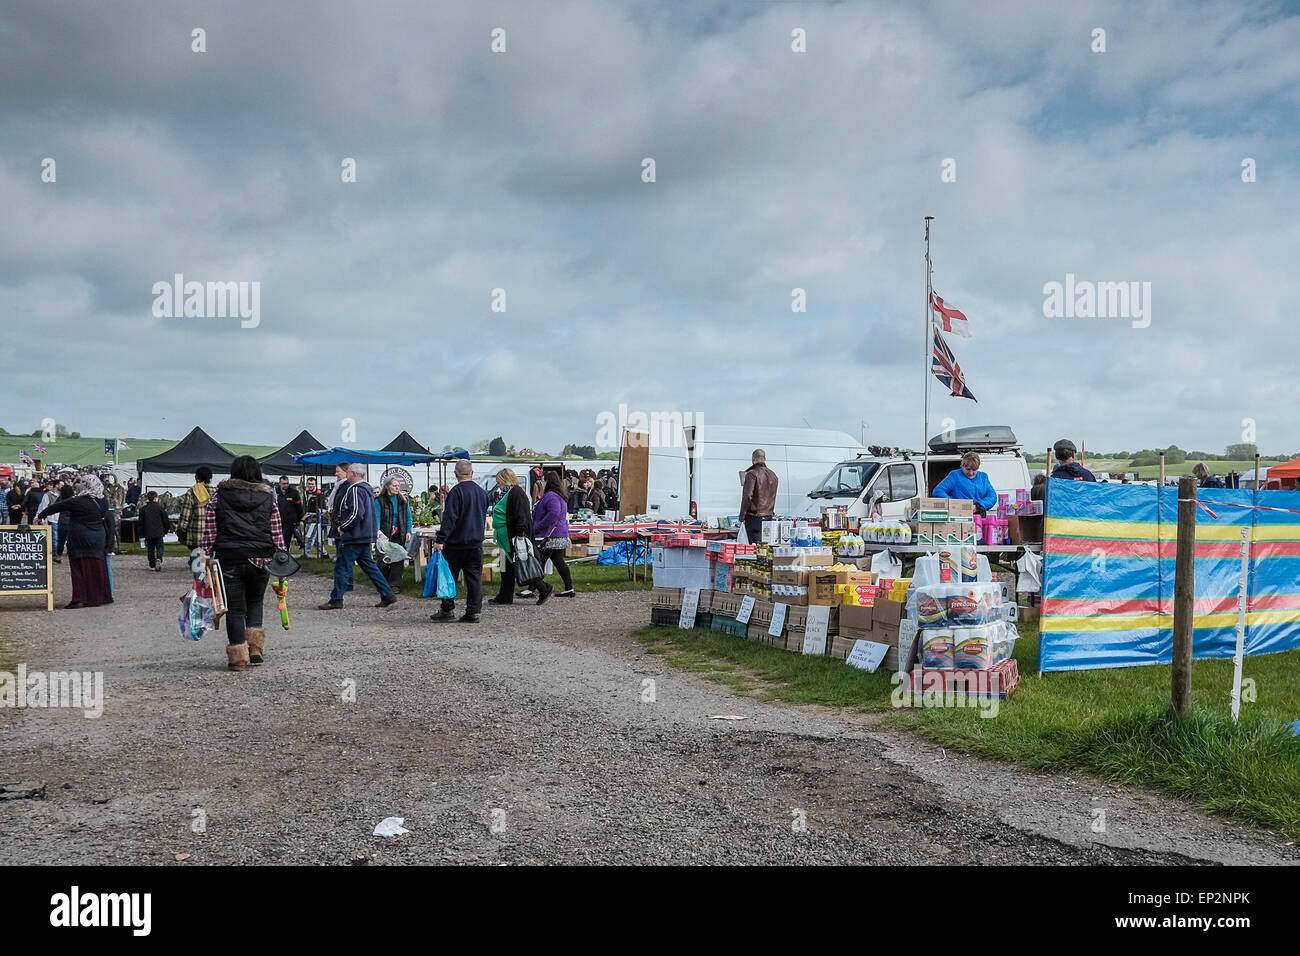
[{"x": 512, "y": 529}]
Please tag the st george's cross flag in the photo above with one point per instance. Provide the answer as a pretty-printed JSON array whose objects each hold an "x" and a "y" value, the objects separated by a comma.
[
  {"x": 948, "y": 318},
  {"x": 945, "y": 368}
]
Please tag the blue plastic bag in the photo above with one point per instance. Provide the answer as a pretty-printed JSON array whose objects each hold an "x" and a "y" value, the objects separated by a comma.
[{"x": 438, "y": 579}]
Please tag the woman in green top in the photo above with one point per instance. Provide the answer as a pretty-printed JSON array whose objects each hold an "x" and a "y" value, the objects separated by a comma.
[{"x": 513, "y": 518}]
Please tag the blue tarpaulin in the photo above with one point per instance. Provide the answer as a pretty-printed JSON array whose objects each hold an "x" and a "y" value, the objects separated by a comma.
[{"x": 341, "y": 456}]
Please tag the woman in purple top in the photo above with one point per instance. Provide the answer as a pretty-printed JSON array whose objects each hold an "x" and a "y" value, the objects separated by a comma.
[{"x": 551, "y": 529}]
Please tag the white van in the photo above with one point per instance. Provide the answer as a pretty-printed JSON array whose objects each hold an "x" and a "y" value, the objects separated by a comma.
[
  {"x": 889, "y": 481},
  {"x": 698, "y": 471}
]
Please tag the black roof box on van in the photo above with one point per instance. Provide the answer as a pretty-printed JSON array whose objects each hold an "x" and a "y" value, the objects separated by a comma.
[{"x": 975, "y": 438}]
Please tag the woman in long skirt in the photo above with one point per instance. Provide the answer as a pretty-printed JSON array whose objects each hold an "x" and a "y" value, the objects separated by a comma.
[{"x": 88, "y": 538}]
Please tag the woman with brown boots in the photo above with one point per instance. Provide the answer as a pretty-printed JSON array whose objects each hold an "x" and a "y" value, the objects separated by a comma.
[{"x": 241, "y": 528}]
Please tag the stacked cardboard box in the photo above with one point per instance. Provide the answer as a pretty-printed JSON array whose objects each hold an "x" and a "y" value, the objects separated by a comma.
[
  {"x": 889, "y": 628},
  {"x": 942, "y": 521},
  {"x": 665, "y": 597},
  {"x": 842, "y": 587},
  {"x": 727, "y": 603},
  {"x": 682, "y": 563}
]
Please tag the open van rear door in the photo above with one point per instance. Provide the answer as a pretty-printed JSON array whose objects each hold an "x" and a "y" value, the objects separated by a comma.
[{"x": 652, "y": 480}]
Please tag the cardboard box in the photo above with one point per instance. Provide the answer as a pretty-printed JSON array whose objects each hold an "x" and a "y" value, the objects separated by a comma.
[
  {"x": 666, "y": 597},
  {"x": 680, "y": 578},
  {"x": 961, "y": 508},
  {"x": 823, "y": 586},
  {"x": 726, "y": 603},
  {"x": 856, "y": 619},
  {"x": 762, "y": 612},
  {"x": 1025, "y": 529},
  {"x": 930, "y": 509},
  {"x": 953, "y": 529},
  {"x": 798, "y": 617},
  {"x": 887, "y": 613},
  {"x": 790, "y": 575},
  {"x": 757, "y": 633}
]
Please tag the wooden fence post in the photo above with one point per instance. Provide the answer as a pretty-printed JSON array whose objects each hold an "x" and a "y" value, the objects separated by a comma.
[{"x": 1184, "y": 597}]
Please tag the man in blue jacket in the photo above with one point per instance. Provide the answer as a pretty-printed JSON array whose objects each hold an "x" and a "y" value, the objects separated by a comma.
[
  {"x": 969, "y": 482},
  {"x": 356, "y": 524},
  {"x": 460, "y": 539}
]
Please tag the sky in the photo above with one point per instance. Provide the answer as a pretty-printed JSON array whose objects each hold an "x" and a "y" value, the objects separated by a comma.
[{"x": 524, "y": 171}]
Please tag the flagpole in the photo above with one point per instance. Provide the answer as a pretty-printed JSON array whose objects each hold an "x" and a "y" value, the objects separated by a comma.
[{"x": 929, "y": 349}]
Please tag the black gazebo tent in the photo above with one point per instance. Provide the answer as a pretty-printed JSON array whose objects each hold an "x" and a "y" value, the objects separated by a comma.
[
  {"x": 195, "y": 449},
  {"x": 406, "y": 445},
  {"x": 282, "y": 462}
]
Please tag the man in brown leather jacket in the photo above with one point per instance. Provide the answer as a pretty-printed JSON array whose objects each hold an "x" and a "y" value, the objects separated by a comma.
[{"x": 757, "y": 496}]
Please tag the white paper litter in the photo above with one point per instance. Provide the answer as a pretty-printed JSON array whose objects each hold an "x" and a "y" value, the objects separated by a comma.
[{"x": 391, "y": 827}]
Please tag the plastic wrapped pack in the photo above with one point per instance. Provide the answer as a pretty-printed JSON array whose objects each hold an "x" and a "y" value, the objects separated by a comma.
[
  {"x": 982, "y": 646},
  {"x": 937, "y": 649},
  {"x": 958, "y": 605}
]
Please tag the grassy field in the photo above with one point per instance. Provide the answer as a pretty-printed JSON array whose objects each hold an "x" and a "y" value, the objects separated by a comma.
[
  {"x": 90, "y": 451},
  {"x": 1112, "y": 723},
  {"x": 1120, "y": 465}
]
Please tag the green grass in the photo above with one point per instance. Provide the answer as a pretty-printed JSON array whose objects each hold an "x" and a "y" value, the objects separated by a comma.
[
  {"x": 1112, "y": 723},
  {"x": 90, "y": 451}
]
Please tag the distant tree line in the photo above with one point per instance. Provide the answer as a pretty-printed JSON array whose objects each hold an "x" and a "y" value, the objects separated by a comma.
[{"x": 1240, "y": 451}]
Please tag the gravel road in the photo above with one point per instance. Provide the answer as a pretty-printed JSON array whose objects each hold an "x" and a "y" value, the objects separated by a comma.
[{"x": 523, "y": 739}]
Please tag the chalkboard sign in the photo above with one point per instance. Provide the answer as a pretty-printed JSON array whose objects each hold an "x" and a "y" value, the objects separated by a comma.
[{"x": 25, "y": 562}]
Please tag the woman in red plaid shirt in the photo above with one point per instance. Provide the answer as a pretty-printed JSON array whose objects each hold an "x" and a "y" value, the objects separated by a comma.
[{"x": 241, "y": 528}]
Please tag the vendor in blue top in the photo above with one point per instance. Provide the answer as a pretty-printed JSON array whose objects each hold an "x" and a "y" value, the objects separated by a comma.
[{"x": 969, "y": 482}]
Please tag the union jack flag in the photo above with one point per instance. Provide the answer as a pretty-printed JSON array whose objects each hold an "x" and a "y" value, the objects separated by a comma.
[
  {"x": 25, "y": 458},
  {"x": 38, "y": 448},
  {"x": 945, "y": 368}
]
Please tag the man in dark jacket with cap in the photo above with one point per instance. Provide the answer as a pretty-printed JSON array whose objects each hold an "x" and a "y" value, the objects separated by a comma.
[
  {"x": 289, "y": 501},
  {"x": 1067, "y": 467}
]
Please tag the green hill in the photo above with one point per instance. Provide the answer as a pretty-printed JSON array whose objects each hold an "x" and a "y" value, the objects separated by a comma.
[{"x": 90, "y": 451}]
